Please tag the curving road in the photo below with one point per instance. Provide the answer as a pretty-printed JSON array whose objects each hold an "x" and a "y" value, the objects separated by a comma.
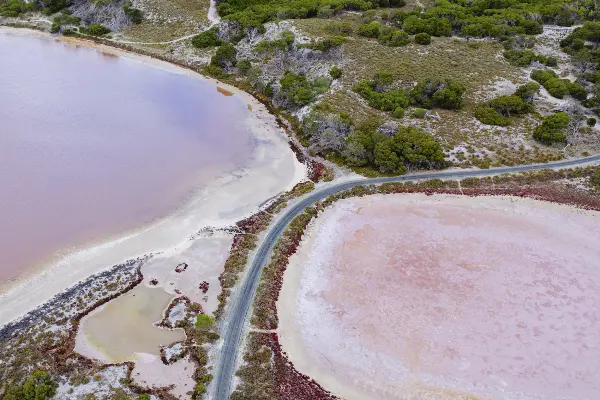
[{"x": 239, "y": 313}]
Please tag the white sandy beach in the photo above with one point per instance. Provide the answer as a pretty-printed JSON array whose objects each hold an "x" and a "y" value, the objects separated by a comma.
[
  {"x": 220, "y": 204},
  {"x": 476, "y": 331}
]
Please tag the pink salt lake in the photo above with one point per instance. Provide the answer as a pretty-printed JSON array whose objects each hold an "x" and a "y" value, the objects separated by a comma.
[
  {"x": 92, "y": 145},
  {"x": 416, "y": 297}
]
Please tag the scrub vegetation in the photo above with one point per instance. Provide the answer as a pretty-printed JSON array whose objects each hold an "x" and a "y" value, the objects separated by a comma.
[{"x": 381, "y": 87}]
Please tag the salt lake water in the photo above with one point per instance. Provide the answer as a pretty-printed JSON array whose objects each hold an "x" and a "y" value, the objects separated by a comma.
[{"x": 92, "y": 145}]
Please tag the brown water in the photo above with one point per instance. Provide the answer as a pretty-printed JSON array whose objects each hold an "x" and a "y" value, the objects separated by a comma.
[
  {"x": 92, "y": 145},
  {"x": 126, "y": 325}
]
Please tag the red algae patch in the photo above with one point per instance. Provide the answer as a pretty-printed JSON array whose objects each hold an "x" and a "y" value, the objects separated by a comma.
[{"x": 447, "y": 297}]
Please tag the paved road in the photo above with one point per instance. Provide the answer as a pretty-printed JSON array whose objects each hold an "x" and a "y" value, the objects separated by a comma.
[{"x": 239, "y": 313}]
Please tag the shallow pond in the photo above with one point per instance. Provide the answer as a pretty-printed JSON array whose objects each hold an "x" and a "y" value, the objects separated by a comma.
[{"x": 125, "y": 326}]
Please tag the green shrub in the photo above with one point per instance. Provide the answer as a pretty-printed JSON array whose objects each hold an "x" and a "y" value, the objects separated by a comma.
[
  {"x": 551, "y": 62},
  {"x": 552, "y": 129},
  {"x": 398, "y": 112},
  {"x": 144, "y": 396},
  {"x": 528, "y": 91},
  {"x": 445, "y": 93},
  {"x": 542, "y": 75},
  {"x": 591, "y": 122},
  {"x": 595, "y": 179},
  {"x": 422, "y": 38},
  {"x": 225, "y": 56},
  {"x": 395, "y": 38},
  {"x": 325, "y": 44},
  {"x": 577, "y": 91},
  {"x": 38, "y": 386},
  {"x": 435, "y": 26},
  {"x": 96, "y": 30},
  {"x": 325, "y": 12},
  {"x": 520, "y": 58},
  {"x": 335, "y": 72},
  {"x": 199, "y": 391},
  {"x": 558, "y": 88},
  {"x": 510, "y": 105},
  {"x": 531, "y": 27},
  {"x": 204, "y": 321},
  {"x": 206, "y": 378},
  {"x": 135, "y": 15},
  {"x": 215, "y": 71},
  {"x": 206, "y": 39},
  {"x": 370, "y": 30},
  {"x": 419, "y": 113},
  {"x": 385, "y": 101},
  {"x": 299, "y": 91},
  {"x": 243, "y": 66},
  {"x": 490, "y": 116},
  {"x": 320, "y": 85}
]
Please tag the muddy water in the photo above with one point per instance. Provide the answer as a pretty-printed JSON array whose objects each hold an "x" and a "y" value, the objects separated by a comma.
[
  {"x": 92, "y": 145},
  {"x": 125, "y": 325}
]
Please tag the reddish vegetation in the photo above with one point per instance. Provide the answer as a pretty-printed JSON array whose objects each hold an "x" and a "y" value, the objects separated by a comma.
[
  {"x": 289, "y": 383},
  {"x": 181, "y": 267},
  {"x": 255, "y": 223},
  {"x": 316, "y": 170},
  {"x": 154, "y": 282},
  {"x": 265, "y": 309},
  {"x": 204, "y": 286}
]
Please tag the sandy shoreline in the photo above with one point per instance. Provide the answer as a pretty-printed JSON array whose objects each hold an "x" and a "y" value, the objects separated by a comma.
[
  {"x": 301, "y": 341},
  {"x": 220, "y": 204}
]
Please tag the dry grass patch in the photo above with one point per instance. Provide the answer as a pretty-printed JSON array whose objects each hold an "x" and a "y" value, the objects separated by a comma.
[{"x": 158, "y": 32}]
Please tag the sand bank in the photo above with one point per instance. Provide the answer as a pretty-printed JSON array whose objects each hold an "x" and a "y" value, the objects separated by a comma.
[
  {"x": 446, "y": 297},
  {"x": 273, "y": 169}
]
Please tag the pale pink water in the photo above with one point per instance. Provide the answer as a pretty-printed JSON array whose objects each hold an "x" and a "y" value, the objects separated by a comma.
[
  {"x": 92, "y": 145},
  {"x": 500, "y": 302}
]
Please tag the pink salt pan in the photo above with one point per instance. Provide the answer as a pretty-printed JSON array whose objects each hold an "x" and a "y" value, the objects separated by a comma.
[{"x": 439, "y": 297}]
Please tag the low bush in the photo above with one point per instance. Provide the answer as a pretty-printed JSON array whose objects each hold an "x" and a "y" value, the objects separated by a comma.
[
  {"x": 335, "y": 73},
  {"x": 96, "y": 30},
  {"x": 206, "y": 39},
  {"x": 552, "y": 129},
  {"x": 395, "y": 38},
  {"x": 557, "y": 87},
  {"x": 370, "y": 30},
  {"x": 325, "y": 44},
  {"x": 225, "y": 57},
  {"x": 419, "y": 113},
  {"x": 204, "y": 321},
  {"x": 528, "y": 91},
  {"x": 398, "y": 112},
  {"x": 372, "y": 91},
  {"x": 135, "y": 15},
  {"x": 489, "y": 116},
  {"x": 445, "y": 93},
  {"x": 422, "y": 38},
  {"x": 299, "y": 91},
  {"x": 38, "y": 386},
  {"x": 243, "y": 66}
]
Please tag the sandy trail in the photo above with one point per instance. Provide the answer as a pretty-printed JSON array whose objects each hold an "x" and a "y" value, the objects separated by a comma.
[
  {"x": 446, "y": 297},
  {"x": 226, "y": 200}
]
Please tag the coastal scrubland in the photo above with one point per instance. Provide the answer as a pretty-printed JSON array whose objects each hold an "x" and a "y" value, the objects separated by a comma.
[{"x": 380, "y": 87}]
